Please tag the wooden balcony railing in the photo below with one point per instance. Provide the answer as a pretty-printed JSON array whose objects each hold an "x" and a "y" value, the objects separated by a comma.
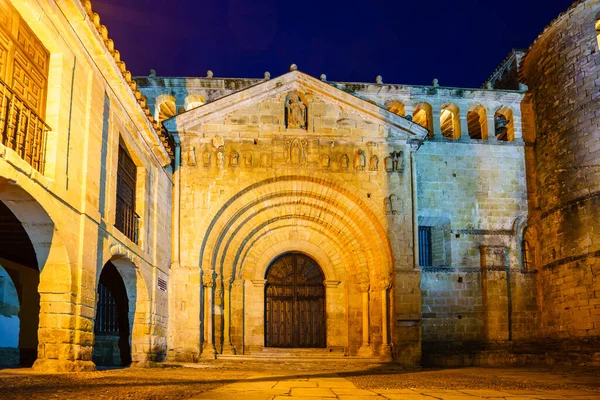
[
  {"x": 127, "y": 221},
  {"x": 21, "y": 129}
]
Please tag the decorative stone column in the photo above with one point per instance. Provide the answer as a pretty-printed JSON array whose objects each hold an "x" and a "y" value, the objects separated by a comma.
[
  {"x": 365, "y": 349},
  {"x": 386, "y": 349},
  {"x": 208, "y": 348},
  {"x": 227, "y": 346},
  {"x": 464, "y": 124},
  {"x": 491, "y": 123},
  {"x": 436, "y": 115}
]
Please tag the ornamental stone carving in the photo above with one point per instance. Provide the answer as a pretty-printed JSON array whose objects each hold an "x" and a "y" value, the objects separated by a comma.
[
  {"x": 296, "y": 152},
  {"x": 206, "y": 159},
  {"x": 295, "y": 112},
  {"x": 360, "y": 161},
  {"x": 325, "y": 161},
  {"x": 344, "y": 162},
  {"x": 220, "y": 159},
  {"x": 208, "y": 279},
  {"x": 395, "y": 162},
  {"x": 374, "y": 163},
  {"x": 191, "y": 156},
  {"x": 248, "y": 160},
  {"x": 234, "y": 159}
]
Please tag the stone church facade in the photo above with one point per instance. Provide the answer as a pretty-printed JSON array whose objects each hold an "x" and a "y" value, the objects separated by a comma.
[{"x": 181, "y": 219}]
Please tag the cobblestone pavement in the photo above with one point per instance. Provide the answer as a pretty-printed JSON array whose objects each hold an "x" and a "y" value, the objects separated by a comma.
[{"x": 250, "y": 382}]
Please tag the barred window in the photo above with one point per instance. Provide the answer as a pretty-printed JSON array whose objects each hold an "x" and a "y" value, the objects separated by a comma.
[
  {"x": 127, "y": 220},
  {"x": 425, "y": 248}
]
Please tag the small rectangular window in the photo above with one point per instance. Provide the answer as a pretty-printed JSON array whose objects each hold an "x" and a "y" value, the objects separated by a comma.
[{"x": 425, "y": 251}]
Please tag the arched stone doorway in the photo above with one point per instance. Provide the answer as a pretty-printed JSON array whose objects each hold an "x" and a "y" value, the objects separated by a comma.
[
  {"x": 112, "y": 329},
  {"x": 295, "y": 303}
]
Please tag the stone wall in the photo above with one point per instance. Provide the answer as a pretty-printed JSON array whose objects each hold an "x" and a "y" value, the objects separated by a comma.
[
  {"x": 252, "y": 187},
  {"x": 69, "y": 211},
  {"x": 561, "y": 68}
]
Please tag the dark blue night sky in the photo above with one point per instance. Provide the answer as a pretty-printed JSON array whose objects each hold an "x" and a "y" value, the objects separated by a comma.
[{"x": 459, "y": 42}]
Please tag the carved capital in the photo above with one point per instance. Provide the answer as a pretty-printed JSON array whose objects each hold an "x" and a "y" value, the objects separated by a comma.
[
  {"x": 364, "y": 287},
  {"x": 259, "y": 282},
  {"x": 208, "y": 279}
]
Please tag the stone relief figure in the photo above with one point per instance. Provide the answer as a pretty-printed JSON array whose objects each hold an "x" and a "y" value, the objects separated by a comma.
[
  {"x": 248, "y": 160},
  {"x": 325, "y": 161},
  {"x": 374, "y": 163},
  {"x": 220, "y": 159},
  {"x": 344, "y": 161},
  {"x": 399, "y": 162},
  {"x": 360, "y": 161},
  {"x": 395, "y": 162},
  {"x": 234, "y": 159},
  {"x": 389, "y": 164},
  {"x": 391, "y": 204},
  {"x": 191, "y": 156},
  {"x": 206, "y": 159},
  {"x": 296, "y": 154},
  {"x": 295, "y": 112},
  {"x": 265, "y": 160}
]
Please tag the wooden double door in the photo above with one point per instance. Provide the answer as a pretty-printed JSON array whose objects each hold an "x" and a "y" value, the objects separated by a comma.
[{"x": 295, "y": 303}]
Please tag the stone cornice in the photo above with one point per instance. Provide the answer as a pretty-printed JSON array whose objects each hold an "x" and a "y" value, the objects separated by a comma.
[{"x": 94, "y": 36}]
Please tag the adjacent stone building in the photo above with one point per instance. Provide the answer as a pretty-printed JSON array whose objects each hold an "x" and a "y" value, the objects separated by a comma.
[{"x": 180, "y": 219}]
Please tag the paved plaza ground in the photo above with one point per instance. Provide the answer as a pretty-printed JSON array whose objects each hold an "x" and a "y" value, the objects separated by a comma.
[{"x": 250, "y": 382}]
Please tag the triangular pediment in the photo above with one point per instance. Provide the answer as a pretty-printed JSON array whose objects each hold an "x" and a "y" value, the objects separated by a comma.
[{"x": 295, "y": 102}]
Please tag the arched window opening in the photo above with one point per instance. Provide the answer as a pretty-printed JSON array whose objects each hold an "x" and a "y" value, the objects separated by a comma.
[
  {"x": 111, "y": 330},
  {"x": 395, "y": 106},
  {"x": 526, "y": 254},
  {"x": 477, "y": 122},
  {"x": 504, "y": 125},
  {"x": 193, "y": 101},
  {"x": 450, "y": 122},
  {"x": 166, "y": 110},
  {"x": 422, "y": 116},
  {"x": 528, "y": 250}
]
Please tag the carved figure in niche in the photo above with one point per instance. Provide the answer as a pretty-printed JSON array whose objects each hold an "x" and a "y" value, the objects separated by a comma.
[
  {"x": 344, "y": 161},
  {"x": 296, "y": 153},
  {"x": 391, "y": 204},
  {"x": 395, "y": 162},
  {"x": 191, "y": 156},
  {"x": 295, "y": 112},
  {"x": 265, "y": 160},
  {"x": 360, "y": 161},
  {"x": 399, "y": 161},
  {"x": 325, "y": 161},
  {"x": 220, "y": 159},
  {"x": 389, "y": 164},
  {"x": 218, "y": 141},
  {"x": 374, "y": 164},
  {"x": 248, "y": 160},
  {"x": 234, "y": 159},
  {"x": 206, "y": 159}
]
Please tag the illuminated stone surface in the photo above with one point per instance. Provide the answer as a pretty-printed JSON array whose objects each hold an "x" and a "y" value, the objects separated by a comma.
[{"x": 499, "y": 185}]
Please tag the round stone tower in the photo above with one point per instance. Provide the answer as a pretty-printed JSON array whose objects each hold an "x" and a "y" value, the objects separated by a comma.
[{"x": 562, "y": 71}]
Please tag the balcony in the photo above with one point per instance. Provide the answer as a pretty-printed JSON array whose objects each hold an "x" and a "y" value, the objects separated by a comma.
[
  {"x": 21, "y": 129},
  {"x": 127, "y": 221}
]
